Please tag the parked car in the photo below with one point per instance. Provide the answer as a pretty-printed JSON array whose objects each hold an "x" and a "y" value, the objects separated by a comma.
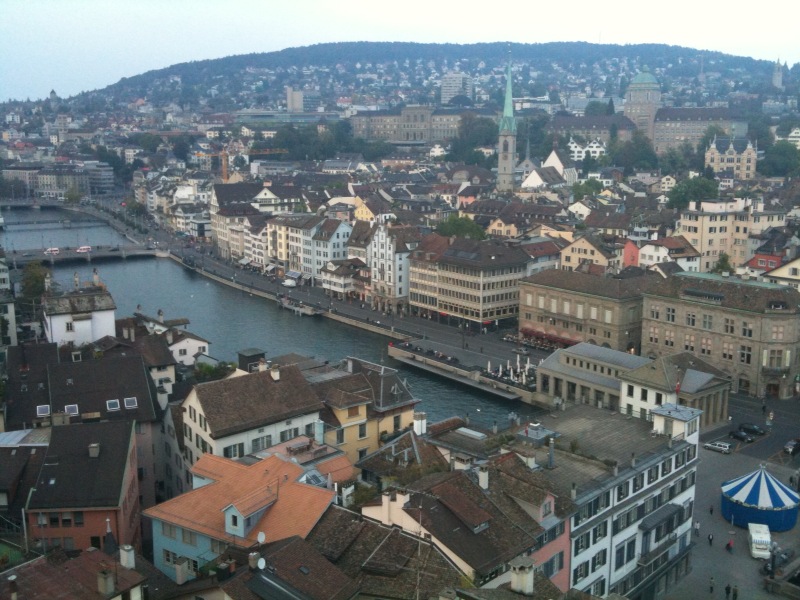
[
  {"x": 792, "y": 447},
  {"x": 751, "y": 428},
  {"x": 523, "y": 351},
  {"x": 723, "y": 447},
  {"x": 741, "y": 436}
]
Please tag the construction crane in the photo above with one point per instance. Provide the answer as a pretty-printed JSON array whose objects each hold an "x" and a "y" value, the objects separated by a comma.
[{"x": 223, "y": 159}]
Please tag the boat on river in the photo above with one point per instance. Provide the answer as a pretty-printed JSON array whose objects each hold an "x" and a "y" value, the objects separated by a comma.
[{"x": 297, "y": 307}]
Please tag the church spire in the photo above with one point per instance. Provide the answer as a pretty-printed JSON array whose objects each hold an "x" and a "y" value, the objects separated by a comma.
[{"x": 508, "y": 124}]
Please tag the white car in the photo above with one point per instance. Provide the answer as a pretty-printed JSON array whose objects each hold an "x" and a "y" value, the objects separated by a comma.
[
  {"x": 289, "y": 283},
  {"x": 723, "y": 447}
]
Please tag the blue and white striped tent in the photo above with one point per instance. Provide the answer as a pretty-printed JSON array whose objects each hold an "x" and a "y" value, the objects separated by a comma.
[{"x": 760, "y": 498}]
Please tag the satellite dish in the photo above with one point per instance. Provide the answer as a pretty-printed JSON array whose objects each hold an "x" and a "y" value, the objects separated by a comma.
[
  {"x": 261, "y": 537},
  {"x": 261, "y": 563}
]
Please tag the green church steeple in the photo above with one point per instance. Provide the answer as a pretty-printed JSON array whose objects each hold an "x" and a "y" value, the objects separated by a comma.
[{"x": 508, "y": 124}]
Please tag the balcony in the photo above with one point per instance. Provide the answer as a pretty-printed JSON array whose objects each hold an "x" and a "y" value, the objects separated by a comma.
[
  {"x": 775, "y": 371},
  {"x": 661, "y": 546}
]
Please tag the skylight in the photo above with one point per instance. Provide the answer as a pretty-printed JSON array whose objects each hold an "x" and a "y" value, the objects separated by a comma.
[
  {"x": 112, "y": 404},
  {"x": 43, "y": 410},
  {"x": 131, "y": 402}
]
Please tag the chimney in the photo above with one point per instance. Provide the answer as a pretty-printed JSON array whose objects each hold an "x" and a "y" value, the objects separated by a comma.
[
  {"x": 633, "y": 459},
  {"x": 125, "y": 333},
  {"x": 522, "y": 575},
  {"x": 494, "y": 428},
  {"x": 94, "y": 450},
  {"x": 48, "y": 282},
  {"x": 105, "y": 582},
  {"x": 127, "y": 556},
  {"x": 133, "y": 333},
  {"x": 483, "y": 478},
  {"x": 573, "y": 493},
  {"x": 386, "y": 508},
  {"x": 616, "y": 469},
  {"x": 95, "y": 278},
  {"x": 466, "y": 419},
  {"x": 262, "y": 365},
  {"x": 160, "y": 316},
  {"x": 420, "y": 423},
  {"x": 252, "y": 560},
  {"x": 319, "y": 432},
  {"x": 551, "y": 458},
  {"x": 275, "y": 373},
  {"x": 13, "y": 587},
  {"x": 169, "y": 336}
]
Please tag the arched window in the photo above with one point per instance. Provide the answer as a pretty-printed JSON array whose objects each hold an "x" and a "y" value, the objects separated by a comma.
[{"x": 505, "y": 145}]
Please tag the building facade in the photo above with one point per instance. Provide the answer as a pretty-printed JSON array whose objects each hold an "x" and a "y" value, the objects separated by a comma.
[
  {"x": 735, "y": 155},
  {"x": 747, "y": 329},
  {"x": 507, "y": 141}
]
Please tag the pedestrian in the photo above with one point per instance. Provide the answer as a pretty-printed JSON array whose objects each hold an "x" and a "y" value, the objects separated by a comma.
[
  {"x": 735, "y": 592},
  {"x": 697, "y": 528},
  {"x": 711, "y": 510},
  {"x": 466, "y": 345},
  {"x": 727, "y": 591},
  {"x": 763, "y": 408},
  {"x": 710, "y": 538},
  {"x": 729, "y": 546},
  {"x": 711, "y": 584}
]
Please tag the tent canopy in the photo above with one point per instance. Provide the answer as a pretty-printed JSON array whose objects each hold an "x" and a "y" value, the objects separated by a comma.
[{"x": 762, "y": 490}]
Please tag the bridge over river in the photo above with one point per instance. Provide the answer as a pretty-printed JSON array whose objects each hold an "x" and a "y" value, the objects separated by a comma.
[{"x": 20, "y": 258}]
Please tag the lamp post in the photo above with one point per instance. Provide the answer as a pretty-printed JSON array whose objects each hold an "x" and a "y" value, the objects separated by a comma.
[
  {"x": 24, "y": 519},
  {"x": 773, "y": 552}
]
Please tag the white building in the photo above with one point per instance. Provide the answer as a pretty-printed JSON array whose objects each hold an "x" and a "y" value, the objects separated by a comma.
[
  {"x": 78, "y": 317},
  {"x": 390, "y": 249}
]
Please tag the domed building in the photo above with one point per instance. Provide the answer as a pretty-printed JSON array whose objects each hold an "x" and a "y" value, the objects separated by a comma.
[{"x": 642, "y": 100}]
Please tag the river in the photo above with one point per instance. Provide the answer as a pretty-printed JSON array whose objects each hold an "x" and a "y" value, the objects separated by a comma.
[{"x": 232, "y": 320}]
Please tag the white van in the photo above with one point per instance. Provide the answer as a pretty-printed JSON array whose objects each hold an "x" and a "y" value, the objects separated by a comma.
[
  {"x": 84, "y": 249},
  {"x": 51, "y": 251},
  {"x": 760, "y": 540}
]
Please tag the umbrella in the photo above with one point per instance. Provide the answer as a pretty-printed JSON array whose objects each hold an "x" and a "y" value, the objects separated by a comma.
[
  {"x": 489, "y": 366},
  {"x": 508, "y": 364},
  {"x": 528, "y": 363},
  {"x": 517, "y": 361},
  {"x": 524, "y": 379}
]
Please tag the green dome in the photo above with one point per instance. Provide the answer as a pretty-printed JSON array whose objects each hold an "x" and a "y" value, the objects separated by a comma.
[{"x": 644, "y": 79}]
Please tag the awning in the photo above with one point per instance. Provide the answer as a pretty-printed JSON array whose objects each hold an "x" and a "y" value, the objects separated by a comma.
[
  {"x": 244, "y": 261},
  {"x": 294, "y": 274},
  {"x": 269, "y": 268}
]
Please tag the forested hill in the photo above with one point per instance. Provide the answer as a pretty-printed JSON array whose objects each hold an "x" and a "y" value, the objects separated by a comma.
[{"x": 348, "y": 57}]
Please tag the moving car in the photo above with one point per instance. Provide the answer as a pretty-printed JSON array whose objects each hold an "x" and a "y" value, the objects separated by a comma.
[
  {"x": 723, "y": 447},
  {"x": 792, "y": 447},
  {"x": 523, "y": 351},
  {"x": 289, "y": 282},
  {"x": 741, "y": 436},
  {"x": 51, "y": 251},
  {"x": 751, "y": 428},
  {"x": 83, "y": 249}
]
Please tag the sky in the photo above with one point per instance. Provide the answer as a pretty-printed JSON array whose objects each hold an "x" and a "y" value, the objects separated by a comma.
[{"x": 80, "y": 45}]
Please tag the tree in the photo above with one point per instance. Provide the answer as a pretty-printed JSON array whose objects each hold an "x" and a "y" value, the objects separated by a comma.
[
  {"x": 461, "y": 227},
  {"x": 723, "y": 264},
  {"x": 688, "y": 190},
  {"x": 595, "y": 108},
  {"x": 588, "y": 188},
  {"x": 781, "y": 160},
  {"x": 611, "y": 109},
  {"x": 33, "y": 280},
  {"x": 711, "y": 132},
  {"x": 72, "y": 195}
]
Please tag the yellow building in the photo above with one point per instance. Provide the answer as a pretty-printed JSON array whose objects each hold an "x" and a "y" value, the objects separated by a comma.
[{"x": 735, "y": 155}]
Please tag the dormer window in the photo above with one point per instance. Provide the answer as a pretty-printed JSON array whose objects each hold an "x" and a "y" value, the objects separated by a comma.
[{"x": 112, "y": 404}]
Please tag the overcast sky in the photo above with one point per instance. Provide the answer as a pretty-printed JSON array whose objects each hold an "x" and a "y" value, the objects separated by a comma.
[{"x": 80, "y": 45}]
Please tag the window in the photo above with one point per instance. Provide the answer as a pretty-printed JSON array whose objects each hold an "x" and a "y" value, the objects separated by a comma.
[
  {"x": 619, "y": 557},
  {"x": 43, "y": 410},
  {"x": 669, "y": 338},
  {"x": 729, "y": 327},
  {"x": 189, "y": 537},
  {"x": 705, "y": 346},
  {"x": 630, "y": 391},
  {"x": 745, "y": 354},
  {"x": 727, "y": 350},
  {"x": 708, "y": 322},
  {"x": 655, "y": 311},
  {"x": 690, "y": 319},
  {"x": 70, "y": 326},
  {"x": 170, "y": 557},
  {"x": 112, "y": 404},
  {"x": 353, "y": 411},
  {"x": 747, "y": 329},
  {"x": 688, "y": 342},
  {"x": 670, "y": 315},
  {"x": 581, "y": 571},
  {"x": 775, "y": 359},
  {"x": 218, "y": 547},
  {"x": 234, "y": 450},
  {"x": 66, "y": 519},
  {"x": 622, "y": 490},
  {"x": 653, "y": 334},
  {"x": 131, "y": 402},
  {"x": 777, "y": 332},
  {"x": 666, "y": 467},
  {"x": 599, "y": 532},
  {"x": 262, "y": 443},
  {"x": 340, "y": 436},
  {"x": 643, "y": 395},
  {"x": 362, "y": 453},
  {"x": 599, "y": 559},
  {"x": 183, "y": 352},
  {"x": 78, "y": 516},
  {"x": 71, "y": 409},
  {"x": 582, "y": 542},
  {"x": 362, "y": 431},
  {"x": 554, "y": 565},
  {"x": 169, "y": 530},
  {"x": 234, "y": 521}
]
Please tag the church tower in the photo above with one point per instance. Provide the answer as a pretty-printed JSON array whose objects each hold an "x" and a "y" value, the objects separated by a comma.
[
  {"x": 642, "y": 101},
  {"x": 777, "y": 75},
  {"x": 507, "y": 142}
]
